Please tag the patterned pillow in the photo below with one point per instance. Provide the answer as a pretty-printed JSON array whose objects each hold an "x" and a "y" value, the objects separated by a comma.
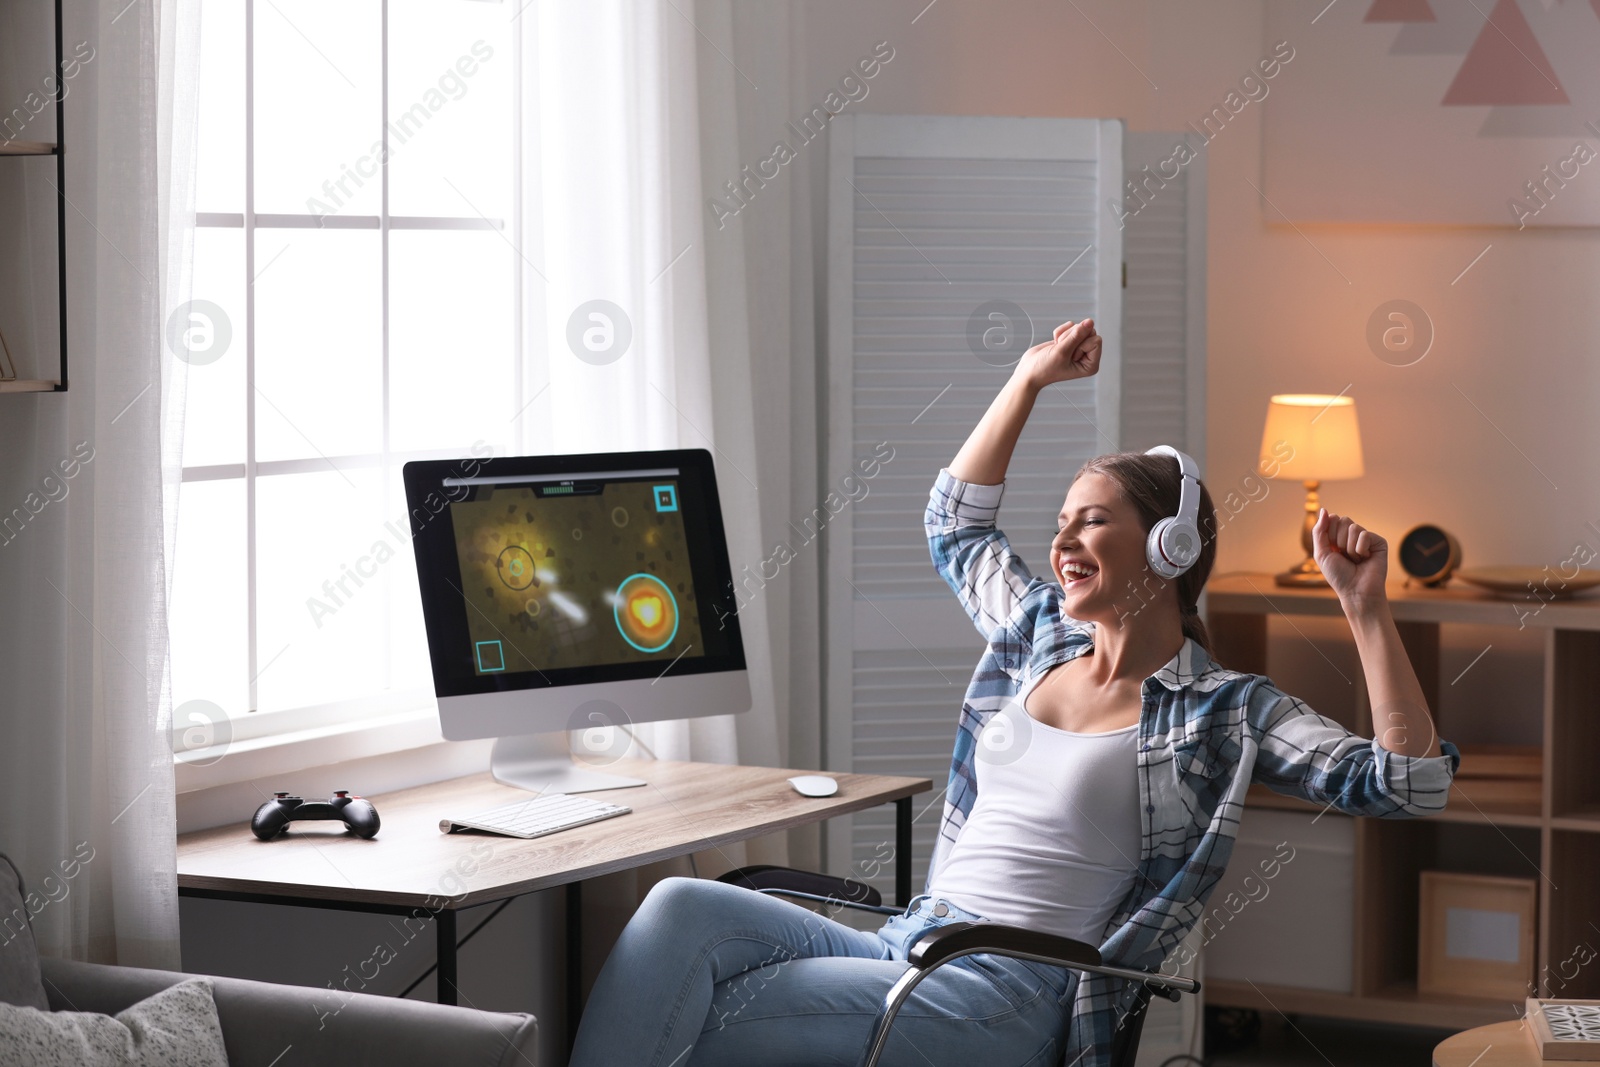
[{"x": 177, "y": 1027}]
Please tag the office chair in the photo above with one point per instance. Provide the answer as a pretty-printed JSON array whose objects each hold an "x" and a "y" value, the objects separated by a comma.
[{"x": 954, "y": 940}]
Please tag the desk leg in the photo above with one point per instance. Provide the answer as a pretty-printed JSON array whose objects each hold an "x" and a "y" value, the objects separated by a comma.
[
  {"x": 444, "y": 930},
  {"x": 902, "y": 851},
  {"x": 574, "y": 961}
]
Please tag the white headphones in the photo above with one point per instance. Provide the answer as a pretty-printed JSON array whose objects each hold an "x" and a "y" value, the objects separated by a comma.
[{"x": 1174, "y": 543}]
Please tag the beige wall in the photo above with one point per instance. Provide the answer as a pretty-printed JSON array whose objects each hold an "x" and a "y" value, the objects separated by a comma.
[{"x": 1516, "y": 334}]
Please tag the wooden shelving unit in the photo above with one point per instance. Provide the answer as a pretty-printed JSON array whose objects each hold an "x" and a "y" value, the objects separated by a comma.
[
  {"x": 56, "y": 148},
  {"x": 27, "y": 385},
  {"x": 1553, "y": 833}
]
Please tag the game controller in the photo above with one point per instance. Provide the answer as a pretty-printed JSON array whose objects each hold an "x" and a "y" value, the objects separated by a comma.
[{"x": 358, "y": 815}]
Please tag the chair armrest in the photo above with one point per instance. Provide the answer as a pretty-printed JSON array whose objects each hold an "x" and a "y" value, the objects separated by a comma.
[
  {"x": 955, "y": 939},
  {"x": 879, "y": 909},
  {"x": 810, "y": 885}
]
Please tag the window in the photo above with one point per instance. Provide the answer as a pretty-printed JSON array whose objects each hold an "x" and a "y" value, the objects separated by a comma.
[{"x": 353, "y": 308}]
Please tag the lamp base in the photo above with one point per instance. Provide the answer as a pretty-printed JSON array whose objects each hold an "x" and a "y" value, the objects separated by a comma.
[{"x": 1305, "y": 573}]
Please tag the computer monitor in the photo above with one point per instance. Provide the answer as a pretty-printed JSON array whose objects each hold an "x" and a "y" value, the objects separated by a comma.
[{"x": 574, "y": 593}]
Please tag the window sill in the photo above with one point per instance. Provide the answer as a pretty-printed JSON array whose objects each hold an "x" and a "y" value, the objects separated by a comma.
[{"x": 283, "y": 754}]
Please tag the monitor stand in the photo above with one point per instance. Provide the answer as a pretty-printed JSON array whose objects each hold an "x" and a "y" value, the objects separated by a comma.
[{"x": 543, "y": 763}]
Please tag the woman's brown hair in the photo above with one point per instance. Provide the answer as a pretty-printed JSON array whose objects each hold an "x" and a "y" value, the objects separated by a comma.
[{"x": 1153, "y": 485}]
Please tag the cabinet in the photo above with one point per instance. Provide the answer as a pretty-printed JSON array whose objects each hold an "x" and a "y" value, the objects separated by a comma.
[
  {"x": 33, "y": 260},
  {"x": 1551, "y": 834}
]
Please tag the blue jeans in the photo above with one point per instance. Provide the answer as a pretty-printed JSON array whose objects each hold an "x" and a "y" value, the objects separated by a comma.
[{"x": 708, "y": 974}]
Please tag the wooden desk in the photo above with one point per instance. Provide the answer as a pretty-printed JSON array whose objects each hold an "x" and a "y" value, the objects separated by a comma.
[
  {"x": 1497, "y": 1045},
  {"x": 412, "y": 869}
]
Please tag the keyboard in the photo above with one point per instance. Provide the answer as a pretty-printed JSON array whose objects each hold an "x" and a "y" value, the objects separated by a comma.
[{"x": 537, "y": 816}]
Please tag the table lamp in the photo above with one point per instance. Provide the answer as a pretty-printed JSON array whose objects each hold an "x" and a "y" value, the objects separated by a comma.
[{"x": 1310, "y": 438}]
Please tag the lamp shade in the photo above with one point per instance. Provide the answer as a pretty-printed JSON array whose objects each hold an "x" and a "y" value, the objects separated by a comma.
[{"x": 1311, "y": 437}]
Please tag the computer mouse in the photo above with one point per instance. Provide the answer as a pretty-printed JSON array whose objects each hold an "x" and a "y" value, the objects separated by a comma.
[{"x": 814, "y": 785}]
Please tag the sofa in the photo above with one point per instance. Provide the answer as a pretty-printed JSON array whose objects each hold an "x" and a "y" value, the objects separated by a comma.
[{"x": 260, "y": 1020}]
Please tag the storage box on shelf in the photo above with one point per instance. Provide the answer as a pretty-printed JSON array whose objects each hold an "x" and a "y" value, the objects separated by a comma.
[
  {"x": 1513, "y": 810},
  {"x": 1285, "y": 865}
]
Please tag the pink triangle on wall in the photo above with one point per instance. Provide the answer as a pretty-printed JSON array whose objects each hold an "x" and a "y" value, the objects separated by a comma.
[
  {"x": 1405, "y": 11},
  {"x": 1505, "y": 65}
]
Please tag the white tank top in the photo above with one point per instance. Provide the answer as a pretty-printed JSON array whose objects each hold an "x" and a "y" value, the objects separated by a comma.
[{"x": 1052, "y": 841}]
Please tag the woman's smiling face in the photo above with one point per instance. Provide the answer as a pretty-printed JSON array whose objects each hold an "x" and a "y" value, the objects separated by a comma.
[{"x": 1098, "y": 554}]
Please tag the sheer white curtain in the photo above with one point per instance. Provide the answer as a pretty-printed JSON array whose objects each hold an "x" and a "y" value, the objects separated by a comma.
[
  {"x": 86, "y": 788},
  {"x": 629, "y": 124}
]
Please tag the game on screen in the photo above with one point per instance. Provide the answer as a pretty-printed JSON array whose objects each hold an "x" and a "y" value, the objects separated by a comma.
[{"x": 574, "y": 573}]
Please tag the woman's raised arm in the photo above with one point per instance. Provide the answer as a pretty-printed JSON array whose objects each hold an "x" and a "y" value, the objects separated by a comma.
[
  {"x": 968, "y": 550},
  {"x": 1406, "y": 769},
  {"x": 1355, "y": 563},
  {"x": 1073, "y": 352}
]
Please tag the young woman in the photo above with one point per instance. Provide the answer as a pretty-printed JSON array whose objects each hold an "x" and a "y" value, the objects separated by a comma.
[{"x": 1100, "y": 767}]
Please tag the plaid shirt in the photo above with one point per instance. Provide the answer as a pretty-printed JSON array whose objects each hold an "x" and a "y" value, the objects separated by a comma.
[{"x": 1205, "y": 733}]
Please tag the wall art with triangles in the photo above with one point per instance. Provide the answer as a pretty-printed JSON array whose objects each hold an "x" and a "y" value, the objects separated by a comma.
[{"x": 1480, "y": 112}]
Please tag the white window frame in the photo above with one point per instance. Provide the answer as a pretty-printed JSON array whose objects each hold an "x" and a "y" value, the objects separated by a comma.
[{"x": 397, "y": 719}]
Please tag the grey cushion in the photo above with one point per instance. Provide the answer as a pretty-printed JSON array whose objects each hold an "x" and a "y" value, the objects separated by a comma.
[
  {"x": 176, "y": 1027},
  {"x": 260, "y": 1020},
  {"x": 19, "y": 956}
]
